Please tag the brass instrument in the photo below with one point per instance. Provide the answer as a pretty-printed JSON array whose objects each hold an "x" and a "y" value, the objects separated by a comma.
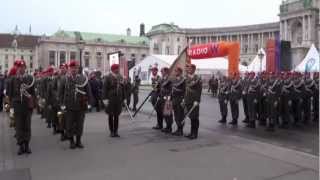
[
  {"x": 6, "y": 104},
  {"x": 60, "y": 115}
]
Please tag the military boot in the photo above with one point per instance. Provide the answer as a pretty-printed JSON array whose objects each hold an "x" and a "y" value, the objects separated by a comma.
[
  {"x": 27, "y": 148},
  {"x": 72, "y": 144},
  {"x": 78, "y": 143}
]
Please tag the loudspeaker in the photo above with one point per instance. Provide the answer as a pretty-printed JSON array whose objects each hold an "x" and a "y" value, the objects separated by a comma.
[{"x": 285, "y": 56}]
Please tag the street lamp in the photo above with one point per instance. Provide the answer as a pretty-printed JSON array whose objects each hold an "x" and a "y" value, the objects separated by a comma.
[
  {"x": 81, "y": 45},
  {"x": 261, "y": 56}
]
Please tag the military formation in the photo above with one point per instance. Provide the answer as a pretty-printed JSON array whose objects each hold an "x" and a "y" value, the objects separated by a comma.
[
  {"x": 271, "y": 100},
  {"x": 63, "y": 96}
]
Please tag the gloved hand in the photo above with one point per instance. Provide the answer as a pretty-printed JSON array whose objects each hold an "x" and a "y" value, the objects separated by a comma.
[
  {"x": 125, "y": 101},
  {"x": 255, "y": 101},
  {"x": 11, "y": 112},
  {"x": 105, "y": 102},
  {"x": 226, "y": 101},
  {"x": 290, "y": 103},
  {"x": 63, "y": 107},
  {"x": 89, "y": 106},
  {"x": 183, "y": 103},
  {"x": 196, "y": 103}
]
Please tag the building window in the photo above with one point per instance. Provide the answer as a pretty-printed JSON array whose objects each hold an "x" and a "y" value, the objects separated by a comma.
[
  {"x": 22, "y": 57},
  {"x": 31, "y": 64},
  {"x": 6, "y": 50},
  {"x": 86, "y": 59},
  {"x": 6, "y": 57},
  {"x": 73, "y": 55},
  {"x": 52, "y": 58},
  {"x": 179, "y": 50},
  {"x": 167, "y": 50},
  {"x": 143, "y": 56},
  {"x": 246, "y": 49},
  {"x": 31, "y": 58},
  {"x": 99, "y": 59},
  {"x": 178, "y": 39},
  {"x": 62, "y": 58},
  {"x": 256, "y": 48},
  {"x": 31, "y": 51},
  {"x": 6, "y": 64}
]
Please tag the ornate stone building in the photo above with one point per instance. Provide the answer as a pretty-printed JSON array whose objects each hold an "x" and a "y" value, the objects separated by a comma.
[
  {"x": 299, "y": 24},
  {"x": 94, "y": 47},
  {"x": 170, "y": 39},
  {"x": 15, "y": 46}
]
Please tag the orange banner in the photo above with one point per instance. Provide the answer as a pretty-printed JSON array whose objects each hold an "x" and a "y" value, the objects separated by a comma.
[{"x": 221, "y": 49}]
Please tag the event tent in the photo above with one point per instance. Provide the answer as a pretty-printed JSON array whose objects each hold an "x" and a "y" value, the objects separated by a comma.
[
  {"x": 205, "y": 67},
  {"x": 256, "y": 65},
  {"x": 311, "y": 62}
]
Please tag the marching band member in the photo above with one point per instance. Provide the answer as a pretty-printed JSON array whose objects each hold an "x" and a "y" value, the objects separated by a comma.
[
  {"x": 76, "y": 97},
  {"x": 21, "y": 95}
]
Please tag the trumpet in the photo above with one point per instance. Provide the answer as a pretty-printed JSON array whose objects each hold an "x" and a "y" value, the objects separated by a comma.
[
  {"x": 60, "y": 115},
  {"x": 6, "y": 104}
]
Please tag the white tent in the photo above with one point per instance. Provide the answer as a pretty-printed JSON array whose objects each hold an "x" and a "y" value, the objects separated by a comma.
[
  {"x": 257, "y": 65},
  {"x": 143, "y": 68},
  {"x": 311, "y": 62},
  {"x": 205, "y": 67}
]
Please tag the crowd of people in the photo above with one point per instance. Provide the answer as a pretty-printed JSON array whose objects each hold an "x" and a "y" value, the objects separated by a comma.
[{"x": 272, "y": 100}]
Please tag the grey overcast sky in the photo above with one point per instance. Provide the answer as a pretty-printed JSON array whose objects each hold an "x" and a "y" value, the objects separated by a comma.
[{"x": 114, "y": 16}]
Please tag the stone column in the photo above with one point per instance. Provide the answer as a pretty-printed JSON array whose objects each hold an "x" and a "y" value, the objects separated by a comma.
[
  {"x": 285, "y": 30},
  {"x": 57, "y": 58},
  {"x": 309, "y": 28},
  {"x": 303, "y": 29},
  {"x": 241, "y": 43}
]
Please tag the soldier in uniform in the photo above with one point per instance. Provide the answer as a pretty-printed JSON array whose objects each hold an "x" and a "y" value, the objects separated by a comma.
[
  {"x": 235, "y": 94},
  {"x": 51, "y": 100},
  {"x": 77, "y": 95},
  {"x": 178, "y": 91},
  {"x": 245, "y": 85},
  {"x": 113, "y": 95},
  {"x": 135, "y": 92},
  {"x": 61, "y": 84},
  {"x": 315, "y": 96},
  {"x": 95, "y": 89},
  {"x": 286, "y": 101},
  {"x": 297, "y": 101},
  {"x": 192, "y": 99},
  {"x": 165, "y": 99},
  {"x": 128, "y": 90},
  {"x": 156, "y": 82},
  {"x": 273, "y": 95},
  {"x": 22, "y": 98},
  {"x": 252, "y": 100},
  {"x": 309, "y": 84},
  {"x": 223, "y": 96}
]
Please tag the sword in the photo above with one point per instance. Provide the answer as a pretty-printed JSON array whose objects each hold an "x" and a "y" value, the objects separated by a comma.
[
  {"x": 131, "y": 117},
  {"x": 190, "y": 111},
  {"x": 146, "y": 99}
]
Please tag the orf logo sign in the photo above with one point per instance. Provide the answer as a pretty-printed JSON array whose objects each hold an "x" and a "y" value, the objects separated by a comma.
[{"x": 310, "y": 64}]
